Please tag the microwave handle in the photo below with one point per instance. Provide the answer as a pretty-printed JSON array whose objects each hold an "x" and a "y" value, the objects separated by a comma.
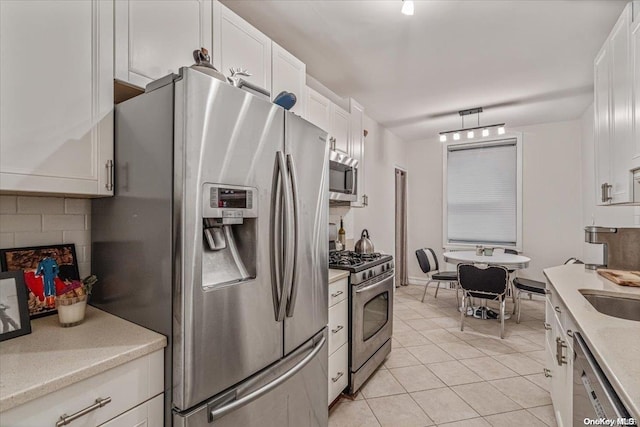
[{"x": 354, "y": 181}]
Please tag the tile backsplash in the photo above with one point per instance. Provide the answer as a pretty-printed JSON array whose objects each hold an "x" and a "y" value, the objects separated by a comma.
[{"x": 38, "y": 221}]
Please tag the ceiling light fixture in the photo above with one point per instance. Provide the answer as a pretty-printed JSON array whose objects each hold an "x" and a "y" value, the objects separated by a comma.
[
  {"x": 470, "y": 131},
  {"x": 407, "y": 7}
]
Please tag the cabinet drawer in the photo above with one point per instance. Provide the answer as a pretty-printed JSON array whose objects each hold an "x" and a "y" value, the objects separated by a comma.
[
  {"x": 338, "y": 372},
  {"x": 127, "y": 385},
  {"x": 149, "y": 414},
  {"x": 338, "y": 325},
  {"x": 338, "y": 291}
]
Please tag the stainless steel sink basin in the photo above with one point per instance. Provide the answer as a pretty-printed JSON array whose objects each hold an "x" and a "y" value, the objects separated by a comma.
[{"x": 616, "y": 305}]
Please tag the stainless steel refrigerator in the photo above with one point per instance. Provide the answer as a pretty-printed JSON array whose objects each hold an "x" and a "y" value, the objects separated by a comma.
[{"x": 217, "y": 238}]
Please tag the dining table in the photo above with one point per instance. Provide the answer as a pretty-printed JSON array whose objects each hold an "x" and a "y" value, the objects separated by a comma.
[{"x": 507, "y": 260}]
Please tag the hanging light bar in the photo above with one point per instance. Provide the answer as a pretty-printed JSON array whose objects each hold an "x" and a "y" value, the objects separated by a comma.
[{"x": 469, "y": 132}]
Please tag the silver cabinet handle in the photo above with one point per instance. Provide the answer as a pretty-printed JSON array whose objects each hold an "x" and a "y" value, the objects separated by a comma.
[
  {"x": 560, "y": 345},
  {"x": 337, "y": 294},
  {"x": 547, "y": 326},
  {"x": 569, "y": 333},
  {"x": 547, "y": 373},
  {"x": 557, "y": 309},
  {"x": 606, "y": 192},
  {"x": 109, "y": 167},
  {"x": 337, "y": 377},
  {"x": 337, "y": 329},
  {"x": 67, "y": 419}
]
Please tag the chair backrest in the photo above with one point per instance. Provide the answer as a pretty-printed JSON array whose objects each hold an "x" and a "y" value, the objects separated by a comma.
[
  {"x": 573, "y": 261},
  {"x": 489, "y": 282},
  {"x": 427, "y": 260}
]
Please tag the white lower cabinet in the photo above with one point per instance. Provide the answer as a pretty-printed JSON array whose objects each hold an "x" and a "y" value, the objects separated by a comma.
[
  {"x": 135, "y": 390},
  {"x": 338, "y": 338}
]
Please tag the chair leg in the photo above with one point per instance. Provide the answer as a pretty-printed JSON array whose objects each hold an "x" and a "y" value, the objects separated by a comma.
[
  {"x": 502, "y": 305},
  {"x": 519, "y": 306},
  {"x": 425, "y": 290},
  {"x": 457, "y": 297},
  {"x": 437, "y": 287},
  {"x": 463, "y": 313}
]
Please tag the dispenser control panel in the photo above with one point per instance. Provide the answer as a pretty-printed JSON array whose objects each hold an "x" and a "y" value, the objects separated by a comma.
[{"x": 229, "y": 201}]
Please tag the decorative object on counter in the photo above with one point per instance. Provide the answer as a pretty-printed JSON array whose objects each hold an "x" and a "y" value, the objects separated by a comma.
[
  {"x": 472, "y": 132},
  {"x": 72, "y": 303},
  {"x": 342, "y": 235},
  {"x": 479, "y": 250},
  {"x": 488, "y": 251},
  {"x": 364, "y": 245},
  {"x": 14, "y": 312},
  {"x": 285, "y": 99},
  {"x": 203, "y": 64},
  {"x": 48, "y": 270},
  {"x": 621, "y": 277}
]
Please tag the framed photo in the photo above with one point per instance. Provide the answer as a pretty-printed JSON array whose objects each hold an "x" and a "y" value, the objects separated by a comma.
[
  {"x": 48, "y": 271},
  {"x": 14, "y": 312}
]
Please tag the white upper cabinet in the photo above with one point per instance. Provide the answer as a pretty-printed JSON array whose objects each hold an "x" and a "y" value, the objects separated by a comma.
[
  {"x": 237, "y": 44},
  {"x": 57, "y": 109},
  {"x": 156, "y": 37},
  {"x": 356, "y": 149},
  {"x": 289, "y": 74},
  {"x": 339, "y": 129},
  {"x": 635, "y": 46},
  {"x": 614, "y": 139},
  {"x": 318, "y": 110}
]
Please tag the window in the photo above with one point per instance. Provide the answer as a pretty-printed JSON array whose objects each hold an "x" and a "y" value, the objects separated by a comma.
[{"x": 482, "y": 193}]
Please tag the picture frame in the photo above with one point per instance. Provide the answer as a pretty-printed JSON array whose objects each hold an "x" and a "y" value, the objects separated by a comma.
[
  {"x": 47, "y": 271},
  {"x": 14, "y": 310}
]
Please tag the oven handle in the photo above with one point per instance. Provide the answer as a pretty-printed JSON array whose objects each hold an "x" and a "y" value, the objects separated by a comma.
[{"x": 376, "y": 282}]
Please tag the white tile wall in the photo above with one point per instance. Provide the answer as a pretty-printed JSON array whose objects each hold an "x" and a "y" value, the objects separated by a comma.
[{"x": 37, "y": 221}]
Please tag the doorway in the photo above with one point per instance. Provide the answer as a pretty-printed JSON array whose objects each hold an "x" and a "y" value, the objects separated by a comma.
[{"x": 401, "y": 228}]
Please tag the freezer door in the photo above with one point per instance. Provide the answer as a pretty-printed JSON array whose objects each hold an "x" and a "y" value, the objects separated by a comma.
[
  {"x": 222, "y": 334},
  {"x": 288, "y": 394},
  {"x": 308, "y": 165}
]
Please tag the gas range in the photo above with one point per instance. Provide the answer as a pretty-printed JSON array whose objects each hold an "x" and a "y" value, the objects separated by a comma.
[{"x": 361, "y": 266}]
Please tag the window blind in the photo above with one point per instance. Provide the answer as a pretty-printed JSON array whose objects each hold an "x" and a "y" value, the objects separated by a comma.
[{"x": 482, "y": 193}]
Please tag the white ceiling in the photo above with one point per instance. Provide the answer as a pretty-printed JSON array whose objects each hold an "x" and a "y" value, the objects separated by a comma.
[{"x": 524, "y": 61}]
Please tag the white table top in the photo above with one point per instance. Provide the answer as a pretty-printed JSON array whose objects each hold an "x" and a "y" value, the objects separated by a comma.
[{"x": 498, "y": 258}]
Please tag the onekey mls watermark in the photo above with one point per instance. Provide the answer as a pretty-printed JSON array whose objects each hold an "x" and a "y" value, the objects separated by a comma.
[{"x": 610, "y": 422}]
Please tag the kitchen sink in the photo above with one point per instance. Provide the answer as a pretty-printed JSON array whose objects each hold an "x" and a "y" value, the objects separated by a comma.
[{"x": 616, "y": 305}]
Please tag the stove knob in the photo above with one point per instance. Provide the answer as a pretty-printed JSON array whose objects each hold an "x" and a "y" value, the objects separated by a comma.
[
  {"x": 364, "y": 276},
  {"x": 383, "y": 268},
  {"x": 370, "y": 273}
]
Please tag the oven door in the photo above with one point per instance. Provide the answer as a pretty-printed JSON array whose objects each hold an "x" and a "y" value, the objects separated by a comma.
[{"x": 371, "y": 317}]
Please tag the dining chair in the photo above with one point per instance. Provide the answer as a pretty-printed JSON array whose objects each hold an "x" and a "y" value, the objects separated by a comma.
[
  {"x": 429, "y": 265},
  {"x": 489, "y": 283},
  {"x": 533, "y": 286}
]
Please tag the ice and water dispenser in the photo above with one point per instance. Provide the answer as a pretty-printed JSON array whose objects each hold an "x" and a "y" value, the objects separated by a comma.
[{"x": 230, "y": 228}]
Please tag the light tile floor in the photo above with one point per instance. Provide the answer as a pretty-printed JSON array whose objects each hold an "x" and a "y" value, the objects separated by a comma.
[{"x": 438, "y": 375}]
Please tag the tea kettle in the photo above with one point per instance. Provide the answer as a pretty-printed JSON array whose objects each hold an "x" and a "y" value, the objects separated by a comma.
[{"x": 364, "y": 245}]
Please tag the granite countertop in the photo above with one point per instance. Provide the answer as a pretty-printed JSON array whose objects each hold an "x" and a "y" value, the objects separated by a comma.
[
  {"x": 52, "y": 357},
  {"x": 335, "y": 275},
  {"x": 614, "y": 342}
]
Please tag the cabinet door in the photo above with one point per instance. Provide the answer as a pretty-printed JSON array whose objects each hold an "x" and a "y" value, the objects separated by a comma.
[
  {"x": 339, "y": 128},
  {"x": 635, "y": 45},
  {"x": 318, "y": 109},
  {"x": 602, "y": 117},
  {"x": 622, "y": 146},
  {"x": 356, "y": 149},
  {"x": 289, "y": 74},
  {"x": 149, "y": 414},
  {"x": 57, "y": 115},
  {"x": 157, "y": 37},
  {"x": 237, "y": 44}
]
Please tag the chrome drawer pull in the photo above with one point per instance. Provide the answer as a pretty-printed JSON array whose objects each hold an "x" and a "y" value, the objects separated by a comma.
[
  {"x": 547, "y": 326},
  {"x": 570, "y": 333},
  {"x": 338, "y": 329},
  {"x": 337, "y": 377},
  {"x": 337, "y": 294},
  {"x": 560, "y": 357},
  {"x": 557, "y": 309},
  {"x": 547, "y": 373},
  {"x": 67, "y": 419}
]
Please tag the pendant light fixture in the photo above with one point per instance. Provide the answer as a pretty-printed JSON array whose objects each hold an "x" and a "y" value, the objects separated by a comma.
[
  {"x": 471, "y": 132},
  {"x": 407, "y": 7}
]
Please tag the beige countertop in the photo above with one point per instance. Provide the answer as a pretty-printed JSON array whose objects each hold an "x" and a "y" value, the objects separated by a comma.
[
  {"x": 614, "y": 342},
  {"x": 52, "y": 357},
  {"x": 335, "y": 275}
]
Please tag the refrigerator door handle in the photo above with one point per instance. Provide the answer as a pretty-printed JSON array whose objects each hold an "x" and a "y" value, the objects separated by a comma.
[
  {"x": 291, "y": 304},
  {"x": 279, "y": 285},
  {"x": 219, "y": 412},
  {"x": 289, "y": 242}
]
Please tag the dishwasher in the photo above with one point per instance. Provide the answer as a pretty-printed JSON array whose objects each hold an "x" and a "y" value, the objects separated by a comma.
[{"x": 593, "y": 396}]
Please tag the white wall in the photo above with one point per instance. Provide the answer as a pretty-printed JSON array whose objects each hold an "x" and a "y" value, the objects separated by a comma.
[
  {"x": 383, "y": 153},
  {"x": 552, "y": 199},
  {"x": 39, "y": 221},
  {"x": 608, "y": 216}
]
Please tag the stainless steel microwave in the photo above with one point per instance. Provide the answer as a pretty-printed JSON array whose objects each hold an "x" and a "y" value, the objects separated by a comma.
[{"x": 343, "y": 177}]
